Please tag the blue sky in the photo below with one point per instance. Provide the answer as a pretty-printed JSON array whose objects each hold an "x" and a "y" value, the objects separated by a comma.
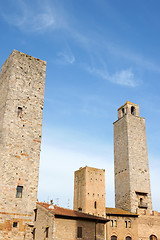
[{"x": 99, "y": 54}]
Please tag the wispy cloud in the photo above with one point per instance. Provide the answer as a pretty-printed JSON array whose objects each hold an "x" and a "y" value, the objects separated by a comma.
[
  {"x": 124, "y": 77},
  {"x": 37, "y": 18},
  {"x": 66, "y": 57},
  {"x": 134, "y": 57}
]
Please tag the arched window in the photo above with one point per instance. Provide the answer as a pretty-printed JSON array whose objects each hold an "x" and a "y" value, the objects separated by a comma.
[
  {"x": 123, "y": 111},
  {"x": 153, "y": 237},
  {"x": 128, "y": 238},
  {"x": 133, "y": 110},
  {"x": 113, "y": 238}
]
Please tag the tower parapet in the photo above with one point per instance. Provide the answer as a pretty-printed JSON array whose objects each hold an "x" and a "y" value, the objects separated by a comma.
[{"x": 128, "y": 108}]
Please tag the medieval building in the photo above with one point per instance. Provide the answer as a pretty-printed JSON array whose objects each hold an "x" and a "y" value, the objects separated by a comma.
[{"x": 22, "y": 217}]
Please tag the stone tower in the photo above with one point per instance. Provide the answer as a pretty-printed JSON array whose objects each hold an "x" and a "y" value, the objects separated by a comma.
[
  {"x": 132, "y": 181},
  {"x": 21, "y": 106},
  {"x": 89, "y": 191}
]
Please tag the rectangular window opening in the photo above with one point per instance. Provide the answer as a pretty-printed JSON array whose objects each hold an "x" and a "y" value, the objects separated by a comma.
[
  {"x": 115, "y": 223},
  {"x": 126, "y": 224},
  {"x": 19, "y": 192},
  {"x": 35, "y": 214},
  {"x": 111, "y": 223},
  {"x": 19, "y": 114},
  {"x": 15, "y": 224},
  {"x": 129, "y": 224},
  {"x": 34, "y": 233},
  {"x": 79, "y": 232},
  {"x": 47, "y": 232}
]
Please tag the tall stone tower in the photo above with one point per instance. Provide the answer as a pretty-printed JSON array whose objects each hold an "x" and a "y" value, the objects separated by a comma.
[
  {"x": 89, "y": 191},
  {"x": 132, "y": 181},
  {"x": 21, "y": 106}
]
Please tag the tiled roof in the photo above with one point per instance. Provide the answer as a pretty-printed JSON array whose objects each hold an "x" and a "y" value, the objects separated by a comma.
[
  {"x": 68, "y": 213},
  {"x": 119, "y": 212}
]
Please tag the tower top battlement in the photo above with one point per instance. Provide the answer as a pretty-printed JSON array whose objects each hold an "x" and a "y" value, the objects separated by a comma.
[{"x": 128, "y": 108}]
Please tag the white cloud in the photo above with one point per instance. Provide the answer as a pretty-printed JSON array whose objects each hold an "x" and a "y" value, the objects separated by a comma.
[
  {"x": 124, "y": 77},
  {"x": 66, "y": 57},
  {"x": 37, "y": 18}
]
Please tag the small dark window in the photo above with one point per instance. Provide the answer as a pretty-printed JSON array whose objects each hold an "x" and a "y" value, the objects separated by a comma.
[
  {"x": 34, "y": 233},
  {"x": 80, "y": 209},
  {"x": 19, "y": 114},
  {"x": 126, "y": 224},
  {"x": 128, "y": 238},
  {"x": 129, "y": 224},
  {"x": 115, "y": 223},
  {"x": 79, "y": 232},
  {"x": 47, "y": 231},
  {"x": 95, "y": 204},
  {"x": 19, "y": 192},
  {"x": 35, "y": 214},
  {"x": 15, "y": 224},
  {"x": 112, "y": 223},
  {"x": 123, "y": 111}
]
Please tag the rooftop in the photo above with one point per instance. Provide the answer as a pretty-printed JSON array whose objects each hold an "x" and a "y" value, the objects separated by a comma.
[
  {"x": 119, "y": 212},
  {"x": 60, "y": 212},
  {"x": 128, "y": 103}
]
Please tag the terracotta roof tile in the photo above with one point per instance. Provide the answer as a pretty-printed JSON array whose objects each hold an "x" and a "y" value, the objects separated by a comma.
[
  {"x": 65, "y": 212},
  {"x": 119, "y": 211}
]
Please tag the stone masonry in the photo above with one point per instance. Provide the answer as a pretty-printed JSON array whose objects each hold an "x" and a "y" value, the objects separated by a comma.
[
  {"x": 21, "y": 106},
  {"x": 53, "y": 222},
  {"x": 89, "y": 191},
  {"x": 132, "y": 181}
]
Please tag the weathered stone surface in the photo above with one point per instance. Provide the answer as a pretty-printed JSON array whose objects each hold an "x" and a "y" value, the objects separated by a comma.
[
  {"x": 64, "y": 227},
  {"x": 89, "y": 191},
  {"x": 132, "y": 181},
  {"x": 21, "y": 104}
]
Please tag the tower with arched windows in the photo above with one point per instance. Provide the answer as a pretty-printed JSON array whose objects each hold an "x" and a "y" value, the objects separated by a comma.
[{"x": 132, "y": 180}]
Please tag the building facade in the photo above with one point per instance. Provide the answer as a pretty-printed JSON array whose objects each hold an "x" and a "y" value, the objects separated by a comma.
[{"x": 53, "y": 222}]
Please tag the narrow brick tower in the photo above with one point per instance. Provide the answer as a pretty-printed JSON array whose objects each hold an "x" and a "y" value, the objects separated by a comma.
[
  {"x": 21, "y": 106},
  {"x": 132, "y": 181},
  {"x": 89, "y": 191}
]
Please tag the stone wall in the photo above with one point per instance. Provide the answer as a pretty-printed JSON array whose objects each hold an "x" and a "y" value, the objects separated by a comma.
[
  {"x": 65, "y": 228},
  {"x": 44, "y": 219},
  {"x": 89, "y": 191},
  {"x": 132, "y": 180},
  {"x": 148, "y": 224},
  {"x": 122, "y": 227},
  {"x": 21, "y": 106}
]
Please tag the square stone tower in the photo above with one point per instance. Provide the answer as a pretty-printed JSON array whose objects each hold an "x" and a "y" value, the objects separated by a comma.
[
  {"x": 22, "y": 85},
  {"x": 89, "y": 191},
  {"x": 132, "y": 181}
]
